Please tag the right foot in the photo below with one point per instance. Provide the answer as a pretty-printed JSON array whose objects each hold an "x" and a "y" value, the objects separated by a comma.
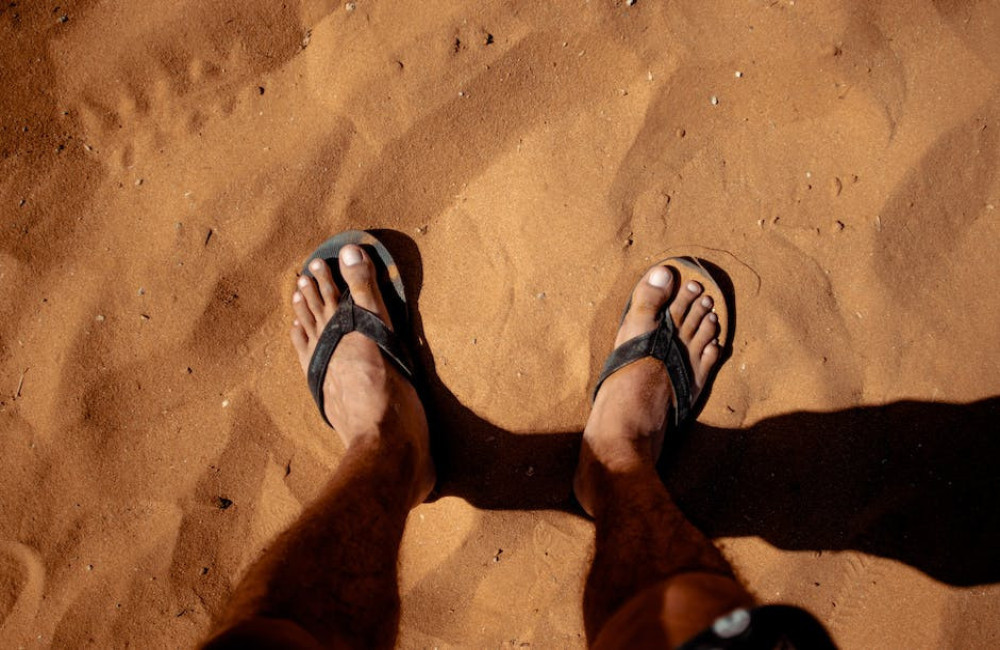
[
  {"x": 366, "y": 398},
  {"x": 628, "y": 419}
]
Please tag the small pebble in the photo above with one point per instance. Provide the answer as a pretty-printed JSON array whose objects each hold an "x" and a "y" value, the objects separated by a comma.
[
  {"x": 225, "y": 403},
  {"x": 714, "y": 100},
  {"x": 541, "y": 296},
  {"x": 738, "y": 74},
  {"x": 99, "y": 318},
  {"x": 139, "y": 182},
  {"x": 142, "y": 291},
  {"x": 351, "y": 6}
]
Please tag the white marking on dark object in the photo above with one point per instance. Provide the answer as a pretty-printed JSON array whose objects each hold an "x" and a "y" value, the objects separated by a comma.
[{"x": 733, "y": 624}]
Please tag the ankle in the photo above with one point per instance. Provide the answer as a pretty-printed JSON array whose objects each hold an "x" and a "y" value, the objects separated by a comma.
[
  {"x": 618, "y": 447},
  {"x": 389, "y": 450},
  {"x": 609, "y": 463}
]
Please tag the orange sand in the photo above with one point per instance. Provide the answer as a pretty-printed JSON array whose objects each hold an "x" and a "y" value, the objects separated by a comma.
[{"x": 167, "y": 166}]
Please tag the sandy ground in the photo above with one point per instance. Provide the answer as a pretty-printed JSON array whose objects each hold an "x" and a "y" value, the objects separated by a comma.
[{"x": 166, "y": 168}]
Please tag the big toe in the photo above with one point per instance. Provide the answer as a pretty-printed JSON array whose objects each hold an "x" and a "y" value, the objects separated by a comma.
[
  {"x": 649, "y": 298},
  {"x": 359, "y": 273}
]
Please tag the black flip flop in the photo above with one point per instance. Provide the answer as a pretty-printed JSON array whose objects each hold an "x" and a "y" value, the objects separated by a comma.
[
  {"x": 662, "y": 343},
  {"x": 350, "y": 317}
]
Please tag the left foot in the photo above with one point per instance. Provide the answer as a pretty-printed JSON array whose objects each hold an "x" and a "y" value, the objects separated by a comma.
[
  {"x": 366, "y": 398},
  {"x": 629, "y": 417}
]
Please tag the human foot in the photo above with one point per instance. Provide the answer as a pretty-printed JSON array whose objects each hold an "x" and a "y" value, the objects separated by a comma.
[
  {"x": 629, "y": 416},
  {"x": 366, "y": 399}
]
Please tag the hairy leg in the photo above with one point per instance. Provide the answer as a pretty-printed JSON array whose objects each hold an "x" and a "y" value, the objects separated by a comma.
[
  {"x": 330, "y": 580},
  {"x": 654, "y": 577}
]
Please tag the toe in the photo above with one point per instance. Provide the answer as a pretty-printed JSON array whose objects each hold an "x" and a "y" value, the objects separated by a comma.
[
  {"x": 648, "y": 299},
  {"x": 709, "y": 357},
  {"x": 704, "y": 343},
  {"x": 359, "y": 273},
  {"x": 327, "y": 287},
  {"x": 694, "y": 317},
  {"x": 300, "y": 342},
  {"x": 309, "y": 290},
  {"x": 708, "y": 329},
  {"x": 306, "y": 319},
  {"x": 682, "y": 302}
]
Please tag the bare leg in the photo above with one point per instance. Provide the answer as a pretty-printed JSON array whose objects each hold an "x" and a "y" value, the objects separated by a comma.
[
  {"x": 655, "y": 580},
  {"x": 330, "y": 580}
]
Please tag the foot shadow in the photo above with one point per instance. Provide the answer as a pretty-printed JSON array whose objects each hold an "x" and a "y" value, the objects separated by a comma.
[
  {"x": 912, "y": 481},
  {"x": 488, "y": 466}
]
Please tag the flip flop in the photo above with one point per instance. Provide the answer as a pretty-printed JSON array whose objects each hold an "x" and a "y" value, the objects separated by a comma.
[
  {"x": 350, "y": 317},
  {"x": 662, "y": 343}
]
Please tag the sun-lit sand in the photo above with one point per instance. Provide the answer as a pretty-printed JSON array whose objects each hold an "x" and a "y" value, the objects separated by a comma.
[{"x": 166, "y": 168}]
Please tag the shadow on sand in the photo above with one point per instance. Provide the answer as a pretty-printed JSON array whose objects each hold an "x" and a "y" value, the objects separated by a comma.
[{"x": 912, "y": 481}]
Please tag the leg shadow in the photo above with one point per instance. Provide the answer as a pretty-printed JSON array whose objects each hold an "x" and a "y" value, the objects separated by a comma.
[{"x": 912, "y": 481}]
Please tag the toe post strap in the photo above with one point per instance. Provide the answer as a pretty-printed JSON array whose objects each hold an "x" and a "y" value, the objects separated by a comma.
[
  {"x": 348, "y": 318},
  {"x": 662, "y": 344}
]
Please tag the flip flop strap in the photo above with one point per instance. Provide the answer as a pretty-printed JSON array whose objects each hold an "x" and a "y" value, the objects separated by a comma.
[
  {"x": 348, "y": 318},
  {"x": 660, "y": 344}
]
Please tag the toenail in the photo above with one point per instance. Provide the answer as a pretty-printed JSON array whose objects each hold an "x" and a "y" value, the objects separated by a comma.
[
  {"x": 316, "y": 264},
  {"x": 660, "y": 277},
  {"x": 303, "y": 282},
  {"x": 706, "y": 302},
  {"x": 351, "y": 256},
  {"x": 296, "y": 297},
  {"x": 693, "y": 287},
  {"x": 713, "y": 318}
]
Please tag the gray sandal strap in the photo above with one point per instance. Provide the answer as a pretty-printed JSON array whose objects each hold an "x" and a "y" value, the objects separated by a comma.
[
  {"x": 348, "y": 318},
  {"x": 662, "y": 344}
]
